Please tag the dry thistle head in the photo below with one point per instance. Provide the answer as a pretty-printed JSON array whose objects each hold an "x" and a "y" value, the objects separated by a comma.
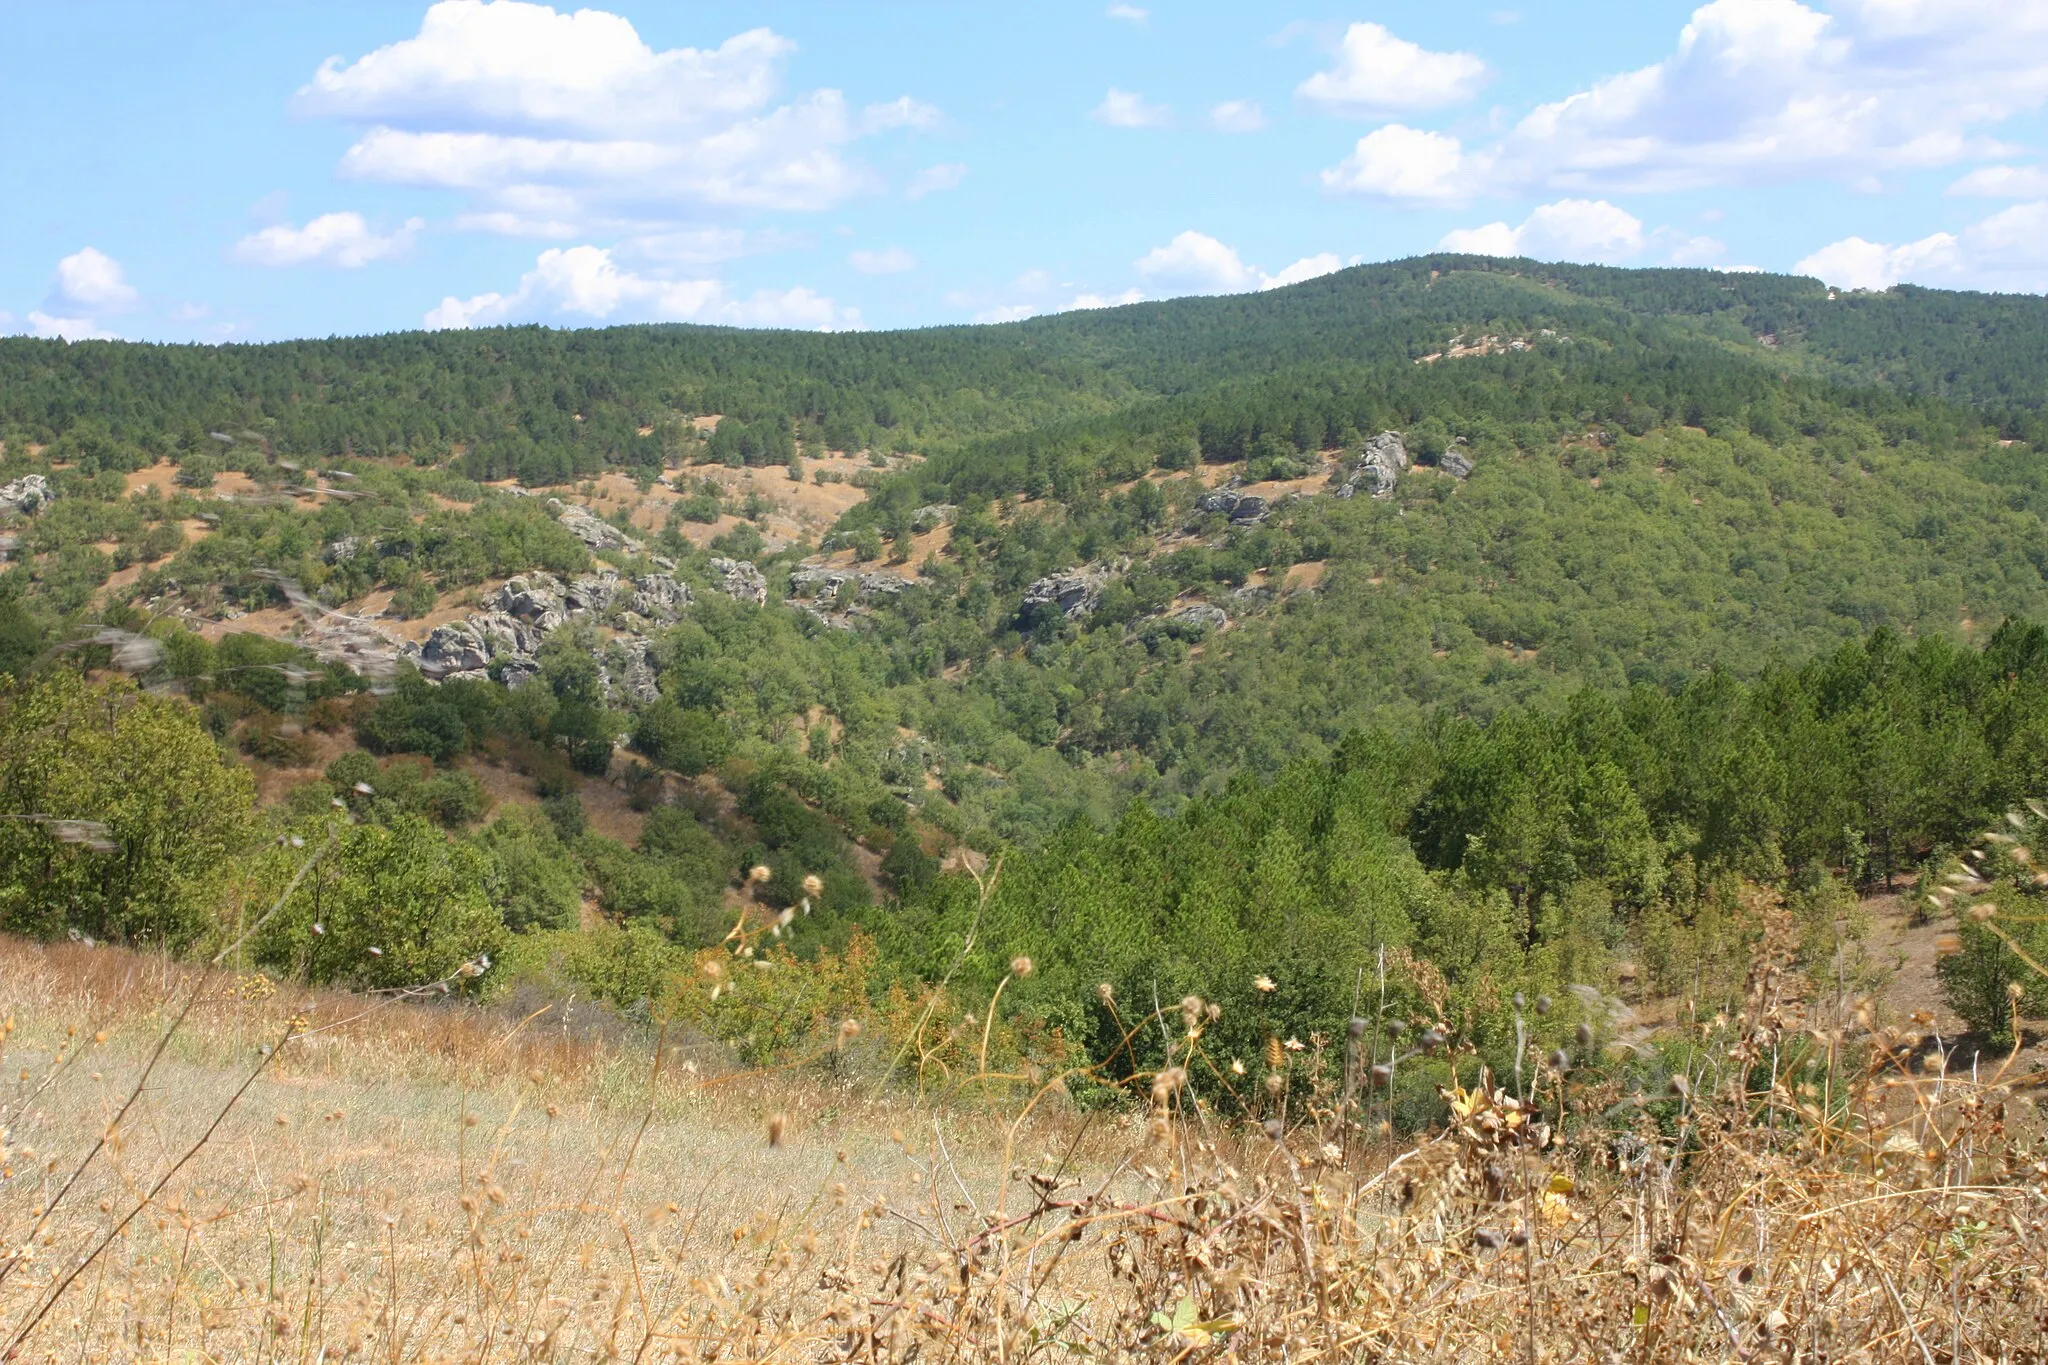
[
  {"x": 1021, "y": 966},
  {"x": 759, "y": 874},
  {"x": 1265, "y": 985},
  {"x": 814, "y": 885}
]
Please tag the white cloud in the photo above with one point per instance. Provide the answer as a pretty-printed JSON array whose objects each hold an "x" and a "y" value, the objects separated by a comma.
[
  {"x": 1130, "y": 14},
  {"x": 1196, "y": 263},
  {"x": 586, "y": 284},
  {"x": 1237, "y": 116},
  {"x": 1762, "y": 91},
  {"x": 71, "y": 329},
  {"x": 2004, "y": 182},
  {"x": 1587, "y": 230},
  {"x": 1399, "y": 162},
  {"x": 93, "y": 281},
  {"x": 2006, "y": 253},
  {"x": 1307, "y": 268},
  {"x": 891, "y": 261},
  {"x": 552, "y": 122},
  {"x": 933, "y": 179},
  {"x": 1122, "y": 109},
  {"x": 1569, "y": 230},
  {"x": 1082, "y": 302},
  {"x": 1377, "y": 73},
  {"x": 338, "y": 239},
  {"x": 1015, "y": 312}
]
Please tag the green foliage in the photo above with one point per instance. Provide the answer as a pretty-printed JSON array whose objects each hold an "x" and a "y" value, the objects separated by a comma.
[
  {"x": 534, "y": 880},
  {"x": 383, "y": 905},
  {"x": 174, "y": 812}
]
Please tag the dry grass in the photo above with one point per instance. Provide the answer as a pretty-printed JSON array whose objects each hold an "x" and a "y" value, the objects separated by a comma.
[{"x": 406, "y": 1182}]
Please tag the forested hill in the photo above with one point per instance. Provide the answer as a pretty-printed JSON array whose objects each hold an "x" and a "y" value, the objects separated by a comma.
[
  {"x": 584, "y": 398},
  {"x": 1494, "y": 611}
]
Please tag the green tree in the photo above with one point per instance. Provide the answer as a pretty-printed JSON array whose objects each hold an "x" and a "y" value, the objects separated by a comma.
[{"x": 173, "y": 808}]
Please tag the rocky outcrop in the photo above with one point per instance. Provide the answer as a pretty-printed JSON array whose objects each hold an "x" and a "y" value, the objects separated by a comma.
[
  {"x": 740, "y": 580},
  {"x": 1456, "y": 462},
  {"x": 591, "y": 529},
  {"x": 817, "y": 582},
  {"x": 1222, "y": 500},
  {"x": 344, "y": 549},
  {"x": 933, "y": 515},
  {"x": 1073, "y": 595},
  {"x": 1202, "y": 615},
  {"x": 27, "y": 495},
  {"x": 526, "y": 609},
  {"x": 1379, "y": 468}
]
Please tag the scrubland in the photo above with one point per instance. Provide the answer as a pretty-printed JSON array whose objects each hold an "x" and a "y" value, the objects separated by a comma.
[{"x": 202, "y": 1165}]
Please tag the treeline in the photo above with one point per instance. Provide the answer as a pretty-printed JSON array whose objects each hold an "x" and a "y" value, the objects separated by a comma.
[
  {"x": 1535, "y": 854},
  {"x": 546, "y": 405}
]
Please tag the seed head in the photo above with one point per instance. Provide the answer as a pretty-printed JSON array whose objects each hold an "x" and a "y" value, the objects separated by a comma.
[
  {"x": 1021, "y": 966},
  {"x": 775, "y": 1126},
  {"x": 814, "y": 885},
  {"x": 760, "y": 873},
  {"x": 1264, "y": 985}
]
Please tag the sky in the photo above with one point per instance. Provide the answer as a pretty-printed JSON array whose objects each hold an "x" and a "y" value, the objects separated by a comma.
[{"x": 228, "y": 171}]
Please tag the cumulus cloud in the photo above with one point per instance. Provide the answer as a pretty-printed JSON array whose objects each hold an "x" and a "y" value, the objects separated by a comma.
[
  {"x": 1589, "y": 230},
  {"x": 1196, "y": 263},
  {"x": 1399, "y": 162},
  {"x": 1081, "y": 302},
  {"x": 585, "y": 284},
  {"x": 1237, "y": 116},
  {"x": 890, "y": 261},
  {"x": 1377, "y": 73},
  {"x": 1761, "y": 91},
  {"x": 337, "y": 239},
  {"x": 70, "y": 329},
  {"x": 2005, "y": 253},
  {"x": 550, "y": 121},
  {"x": 2004, "y": 182},
  {"x": 93, "y": 281},
  {"x": 1130, "y": 14},
  {"x": 1307, "y": 268},
  {"x": 1011, "y": 312},
  {"x": 934, "y": 179},
  {"x": 1122, "y": 109}
]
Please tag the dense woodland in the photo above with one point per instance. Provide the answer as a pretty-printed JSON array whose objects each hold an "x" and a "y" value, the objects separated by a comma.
[{"x": 1739, "y": 598}]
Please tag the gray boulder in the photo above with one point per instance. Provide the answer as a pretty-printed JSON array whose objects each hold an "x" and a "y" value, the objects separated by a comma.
[
  {"x": 1072, "y": 595},
  {"x": 27, "y": 495},
  {"x": 344, "y": 549},
  {"x": 659, "y": 597},
  {"x": 592, "y": 594},
  {"x": 1250, "y": 509},
  {"x": 1456, "y": 463},
  {"x": 740, "y": 580},
  {"x": 1203, "y": 614},
  {"x": 1221, "y": 500},
  {"x": 933, "y": 515},
  {"x": 591, "y": 529}
]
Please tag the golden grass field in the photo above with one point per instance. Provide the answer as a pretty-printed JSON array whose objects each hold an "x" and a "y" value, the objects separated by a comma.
[{"x": 407, "y": 1181}]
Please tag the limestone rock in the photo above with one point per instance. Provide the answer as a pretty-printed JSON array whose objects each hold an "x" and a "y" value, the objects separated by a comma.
[
  {"x": 1385, "y": 457},
  {"x": 591, "y": 529},
  {"x": 1249, "y": 510},
  {"x": 1206, "y": 615},
  {"x": 27, "y": 495},
  {"x": 1073, "y": 594},
  {"x": 1456, "y": 463},
  {"x": 740, "y": 580}
]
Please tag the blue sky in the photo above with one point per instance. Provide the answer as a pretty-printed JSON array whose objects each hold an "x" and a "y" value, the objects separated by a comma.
[{"x": 232, "y": 171}]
